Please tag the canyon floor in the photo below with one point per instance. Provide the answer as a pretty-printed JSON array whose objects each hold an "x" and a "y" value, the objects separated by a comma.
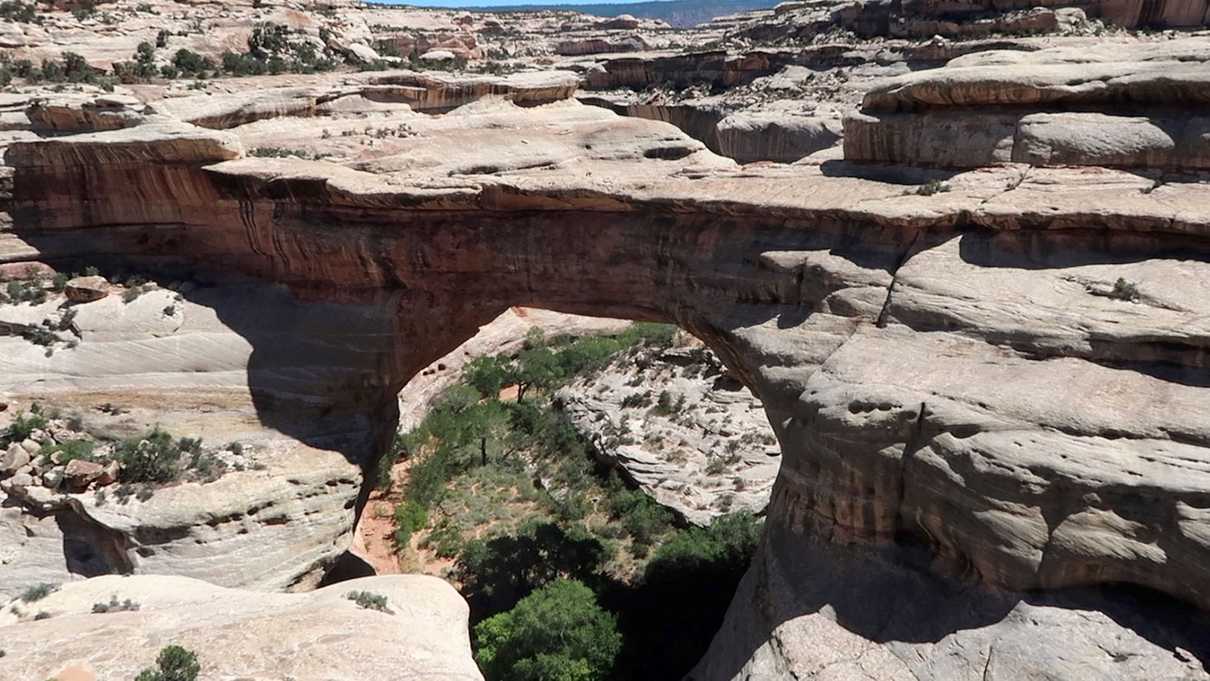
[{"x": 835, "y": 340}]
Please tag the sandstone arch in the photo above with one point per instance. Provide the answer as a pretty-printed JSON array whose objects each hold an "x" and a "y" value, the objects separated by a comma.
[{"x": 952, "y": 382}]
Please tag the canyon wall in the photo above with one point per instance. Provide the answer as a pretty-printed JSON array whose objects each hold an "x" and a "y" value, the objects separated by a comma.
[{"x": 976, "y": 418}]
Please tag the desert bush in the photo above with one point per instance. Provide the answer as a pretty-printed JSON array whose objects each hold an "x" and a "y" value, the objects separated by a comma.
[
  {"x": 369, "y": 600},
  {"x": 27, "y": 291},
  {"x": 24, "y": 425},
  {"x": 1124, "y": 290},
  {"x": 154, "y": 458},
  {"x": 114, "y": 605},
  {"x": 20, "y": 12},
  {"x": 932, "y": 187},
  {"x": 70, "y": 450},
  {"x": 38, "y": 592},
  {"x": 174, "y": 663},
  {"x": 190, "y": 63},
  {"x": 409, "y": 517}
]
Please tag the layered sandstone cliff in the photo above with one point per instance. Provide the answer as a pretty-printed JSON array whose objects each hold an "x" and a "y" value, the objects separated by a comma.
[
  {"x": 962, "y": 392},
  {"x": 980, "y": 338}
]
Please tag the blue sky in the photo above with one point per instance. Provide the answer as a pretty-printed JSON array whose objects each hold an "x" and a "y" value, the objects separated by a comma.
[{"x": 501, "y": 3}]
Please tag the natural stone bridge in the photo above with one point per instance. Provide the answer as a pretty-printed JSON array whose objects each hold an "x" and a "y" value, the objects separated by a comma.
[{"x": 977, "y": 429}]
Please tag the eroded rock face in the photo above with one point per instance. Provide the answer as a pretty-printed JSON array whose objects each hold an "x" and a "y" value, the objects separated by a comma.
[
  {"x": 980, "y": 407},
  {"x": 690, "y": 435},
  {"x": 1139, "y": 108},
  {"x": 244, "y": 634},
  {"x": 278, "y": 519}
]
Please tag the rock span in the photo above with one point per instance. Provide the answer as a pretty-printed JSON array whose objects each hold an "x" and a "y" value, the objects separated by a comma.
[{"x": 962, "y": 392}]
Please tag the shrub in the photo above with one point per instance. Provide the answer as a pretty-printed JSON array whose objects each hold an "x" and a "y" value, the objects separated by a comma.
[
  {"x": 114, "y": 606},
  {"x": 70, "y": 450},
  {"x": 409, "y": 517},
  {"x": 557, "y": 633},
  {"x": 38, "y": 592},
  {"x": 20, "y": 12},
  {"x": 1124, "y": 290},
  {"x": 23, "y": 426},
  {"x": 636, "y": 400},
  {"x": 29, "y": 291},
  {"x": 86, "y": 9},
  {"x": 642, "y": 517},
  {"x": 665, "y": 404},
  {"x": 39, "y": 336},
  {"x": 191, "y": 63},
  {"x": 153, "y": 458},
  {"x": 268, "y": 38},
  {"x": 725, "y": 547},
  {"x": 932, "y": 187},
  {"x": 369, "y": 600},
  {"x": 173, "y": 664}
]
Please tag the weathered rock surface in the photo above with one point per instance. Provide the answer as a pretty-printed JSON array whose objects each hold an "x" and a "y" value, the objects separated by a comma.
[
  {"x": 1097, "y": 107},
  {"x": 833, "y": 613},
  {"x": 684, "y": 431},
  {"x": 241, "y": 634},
  {"x": 988, "y": 386},
  {"x": 279, "y": 522},
  {"x": 915, "y": 401}
]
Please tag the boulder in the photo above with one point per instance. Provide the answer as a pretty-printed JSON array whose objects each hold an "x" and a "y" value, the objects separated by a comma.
[
  {"x": 21, "y": 479},
  {"x": 13, "y": 459},
  {"x": 363, "y": 53},
  {"x": 79, "y": 474},
  {"x": 621, "y": 21},
  {"x": 86, "y": 289},
  {"x": 52, "y": 478},
  {"x": 438, "y": 56}
]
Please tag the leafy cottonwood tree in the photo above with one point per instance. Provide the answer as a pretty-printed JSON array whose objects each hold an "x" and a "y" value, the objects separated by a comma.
[{"x": 557, "y": 633}]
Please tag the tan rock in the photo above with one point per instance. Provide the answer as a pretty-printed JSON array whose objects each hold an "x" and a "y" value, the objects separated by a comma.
[
  {"x": 86, "y": 289},
  {"x": 244, "y": 634},
  {"x": 80, "y": 474},
  {"x": 13, "y": 459}
]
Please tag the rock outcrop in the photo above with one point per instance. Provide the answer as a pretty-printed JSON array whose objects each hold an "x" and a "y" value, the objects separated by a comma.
[
  {"x": 980, "y": 337},
  {"x": 991, "y": 400},
  {"x": 1059, "y": 106},
  {"x": 682, "y": 429},
  {"x": 163, "y": 360},
  {"x": 240, "y": 634}
]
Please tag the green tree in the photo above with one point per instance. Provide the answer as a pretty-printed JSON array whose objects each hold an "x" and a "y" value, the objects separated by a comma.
[
  {"x": 538, "y": 368},
  {"x": 498, "y": 572},
  {"x": 489, "y": 375},
  {"x": 174, "y": 664},
  {"x": 557, "y": 633}
]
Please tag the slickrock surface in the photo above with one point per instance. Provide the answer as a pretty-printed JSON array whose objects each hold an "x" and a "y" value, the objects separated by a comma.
[
  {"x": 985, "y": 396},
  {"x": 278, "y": 522},
  {"x": 979, "y": 335},
  {"x": 241, "y": 634},
  {"x": 689, "y": 434}
]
